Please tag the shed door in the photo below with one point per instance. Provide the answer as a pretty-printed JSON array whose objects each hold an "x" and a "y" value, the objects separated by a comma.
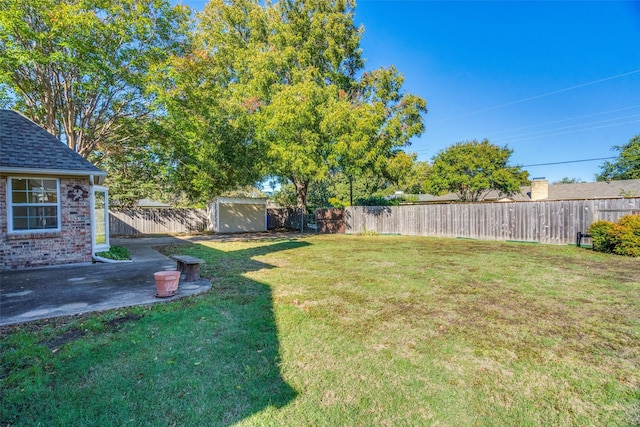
[
  {"x": 100, "y": 218},
  {"x": 241, "y": 217}
]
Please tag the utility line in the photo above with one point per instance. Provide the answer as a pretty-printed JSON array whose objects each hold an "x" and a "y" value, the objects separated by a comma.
[
  {"x": 567, "y": 119},
  {"x": 568, "y": 161},
  {"x": 575, "y": 131},
  {"x": 531, "y": 98},
  {"x": 541, "y": 133}
]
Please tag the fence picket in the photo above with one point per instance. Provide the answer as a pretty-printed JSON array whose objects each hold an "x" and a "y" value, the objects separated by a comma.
[
  {"x": 555, "y": 222},
  {"x": 135, "y": 222}
]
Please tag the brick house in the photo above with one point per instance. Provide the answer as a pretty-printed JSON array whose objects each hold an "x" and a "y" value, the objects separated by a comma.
[{"x": 52, "y": 207}]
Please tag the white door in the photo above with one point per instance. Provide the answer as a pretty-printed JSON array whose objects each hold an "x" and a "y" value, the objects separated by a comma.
[{"x": 100, "y": 218}]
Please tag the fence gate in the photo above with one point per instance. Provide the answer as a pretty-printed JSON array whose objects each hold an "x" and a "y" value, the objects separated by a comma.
[{"x": 330, "y": 221}]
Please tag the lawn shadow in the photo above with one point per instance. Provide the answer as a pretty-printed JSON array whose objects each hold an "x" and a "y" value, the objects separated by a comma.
[
  {"x": 236, "y": 320},
  {"x": 211, "y": 359}
]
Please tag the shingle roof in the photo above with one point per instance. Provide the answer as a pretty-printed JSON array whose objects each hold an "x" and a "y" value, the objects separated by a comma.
[
  {"x": 595, "y": 190},
  {"x": 25, "y": 145},
  {"x": 578, "y": 191}
]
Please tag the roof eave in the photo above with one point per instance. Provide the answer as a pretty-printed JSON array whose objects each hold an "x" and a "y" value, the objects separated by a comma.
[{"x": 100, "y": 175}]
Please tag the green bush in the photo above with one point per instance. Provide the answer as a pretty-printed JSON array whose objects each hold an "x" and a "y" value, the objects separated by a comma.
[
  {"x": 374, "y": 201},
  {"x": 622, "y": 238},
  {"x": 115, "y": 252},
  {"x": 600, "y": 232},
  {"x": 626, "y": 236}
]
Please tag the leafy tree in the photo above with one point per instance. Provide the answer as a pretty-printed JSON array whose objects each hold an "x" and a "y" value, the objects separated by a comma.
[
  {"x": 472, "y": 169},
  {"x": 278, "y": 81},
  {"x": 133, "y": 170},
  {"x": 626, "y": 166},
  {"x": 567, "y": 180},
  {"x": 407, "y": 173},
  {"x": 80, "y": 68}
]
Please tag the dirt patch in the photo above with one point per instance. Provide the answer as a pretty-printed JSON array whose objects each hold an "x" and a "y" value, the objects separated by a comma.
[
  {"x": 73, "y": 325},
  {"x": 115, "y": 324},
  {"x": 65, "y": 337},
  {"x": 38, "y": 325},
  {"x": 76, "y": 333}
]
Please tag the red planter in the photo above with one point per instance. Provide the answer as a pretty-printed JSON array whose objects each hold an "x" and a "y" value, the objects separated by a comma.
[{"x": 166, "y": 283}]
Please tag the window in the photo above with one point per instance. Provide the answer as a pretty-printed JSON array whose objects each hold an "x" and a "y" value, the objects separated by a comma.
[{"x": 34, "y": 204}]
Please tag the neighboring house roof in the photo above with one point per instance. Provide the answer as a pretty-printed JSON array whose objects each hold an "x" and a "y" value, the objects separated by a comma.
[
  {"x": 593, "y": 190},
  {"x": 578, "y": 191},
  {"x": 26, "y": 147}
]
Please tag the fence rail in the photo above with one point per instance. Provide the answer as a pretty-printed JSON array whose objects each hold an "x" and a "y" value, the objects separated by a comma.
[
  {"x": 554, "y": 222},
  {"x": 135, "y": 222}
]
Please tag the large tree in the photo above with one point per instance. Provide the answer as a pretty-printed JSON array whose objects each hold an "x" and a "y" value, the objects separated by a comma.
[
  {"x": 80, "y": 68},
  {"x": 472, "y": 169},
  {"x": 283, "y": 82},
  {"x": 626, "y": 166}
]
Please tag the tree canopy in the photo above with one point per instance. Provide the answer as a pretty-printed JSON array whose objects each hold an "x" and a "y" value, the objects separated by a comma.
[
  {"x": 278, "y": 89},
  {"x": 567, "y": 180},
  {"x": 472, "y": 169},
  {"x": 626, "y": 166},
  {"x": 80, "y": 68},
  {"x": 247, "y": 90}
]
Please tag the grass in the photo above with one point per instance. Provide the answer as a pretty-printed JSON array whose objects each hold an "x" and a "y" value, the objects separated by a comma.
[{"x": 349, "y": 330}]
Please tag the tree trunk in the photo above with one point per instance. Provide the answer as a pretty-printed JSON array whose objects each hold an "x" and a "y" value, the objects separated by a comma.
[
  {"x": 301, "y": 193},
  {"x": 350, "y": 191}
]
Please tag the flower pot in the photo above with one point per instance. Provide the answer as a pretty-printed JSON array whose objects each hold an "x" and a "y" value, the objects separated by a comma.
[{"x": 166, "y": 283}]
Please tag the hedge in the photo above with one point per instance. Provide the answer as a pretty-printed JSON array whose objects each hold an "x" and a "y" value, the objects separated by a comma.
[{"x": 622, "y": 238}]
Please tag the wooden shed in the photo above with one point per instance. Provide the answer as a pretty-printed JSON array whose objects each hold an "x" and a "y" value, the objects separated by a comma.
[{"x": 236, "y": 215}]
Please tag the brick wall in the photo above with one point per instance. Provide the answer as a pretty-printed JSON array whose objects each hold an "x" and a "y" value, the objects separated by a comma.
[{"x": 70, "y": 245}]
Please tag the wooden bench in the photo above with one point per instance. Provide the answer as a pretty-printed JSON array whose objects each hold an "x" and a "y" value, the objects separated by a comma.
[{"x": 189, "y": 265}]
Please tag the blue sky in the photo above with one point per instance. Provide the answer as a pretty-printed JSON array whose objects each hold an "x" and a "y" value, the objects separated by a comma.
[{"x": 555, "y": 81}]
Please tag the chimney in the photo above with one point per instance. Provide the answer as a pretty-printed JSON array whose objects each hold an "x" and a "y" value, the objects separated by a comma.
[{"x": 539, "y": 189}]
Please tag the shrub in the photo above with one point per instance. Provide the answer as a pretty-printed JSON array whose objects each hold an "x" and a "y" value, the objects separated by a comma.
[
  {"x": 115, "y": 252},
  {"x": 366, "y": 232},
  {"x": 626, "y": 236},
  {"x": 622, "y": 238},
  {"x": 374, "y": 201},
  {"x": 600, "y": 232}
]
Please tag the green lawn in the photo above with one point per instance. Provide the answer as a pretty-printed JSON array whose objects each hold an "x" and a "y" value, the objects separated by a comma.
[{"x": 349, "y": 330}]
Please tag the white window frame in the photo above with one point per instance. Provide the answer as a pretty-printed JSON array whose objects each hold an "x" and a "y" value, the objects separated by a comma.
[{"x": 11, "y": 205}]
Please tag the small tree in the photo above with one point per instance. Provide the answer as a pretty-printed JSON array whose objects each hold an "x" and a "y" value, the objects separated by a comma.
[
  {"x": 472, "y": 169},
  {"x": 626, "y": 166}
]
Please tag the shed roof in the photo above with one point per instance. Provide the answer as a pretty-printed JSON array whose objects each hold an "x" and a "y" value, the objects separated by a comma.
[{"x": 28, "y": 148}]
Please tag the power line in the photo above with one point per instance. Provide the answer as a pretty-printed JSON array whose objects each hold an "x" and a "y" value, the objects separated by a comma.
[
  {"x": 566, "y": 120},
  {"x": 575, "y": 131},
  {"x": 511, "y": 140},
  {"x": 580, "y": 126},
  {"x": 568, "y": 161},
  {"x": 531, "y": 98}
]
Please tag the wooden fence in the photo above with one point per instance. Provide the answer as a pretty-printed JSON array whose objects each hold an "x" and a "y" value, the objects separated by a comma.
[
  {"x": 554, "y": 222},
  {"x": 135, "y": 222},
  {"x": 329, "y": 220},
  {"x": 278, "y": 218}
]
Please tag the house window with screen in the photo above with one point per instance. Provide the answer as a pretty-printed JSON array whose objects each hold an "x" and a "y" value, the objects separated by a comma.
[{"x": 34, "y": 204}]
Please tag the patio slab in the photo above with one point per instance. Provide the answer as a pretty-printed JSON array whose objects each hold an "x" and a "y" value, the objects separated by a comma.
[{"x": 46, "y": 292}]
